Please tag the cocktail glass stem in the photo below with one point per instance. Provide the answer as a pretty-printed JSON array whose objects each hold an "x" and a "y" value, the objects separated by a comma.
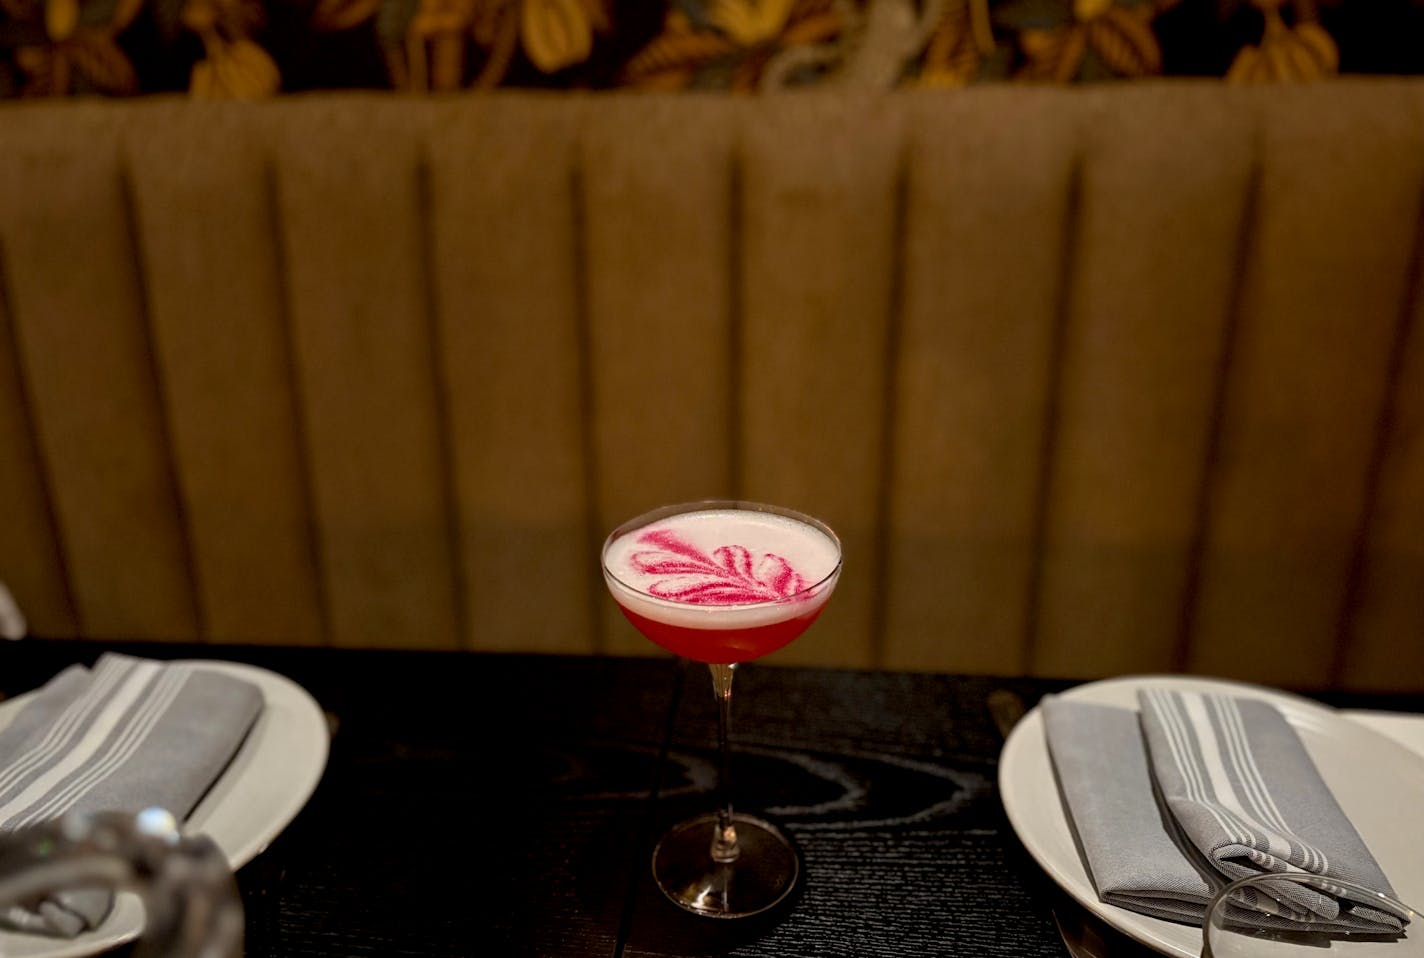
[
  {"x": 708, "y": 581},
  {"x": 724, "y": 840}
]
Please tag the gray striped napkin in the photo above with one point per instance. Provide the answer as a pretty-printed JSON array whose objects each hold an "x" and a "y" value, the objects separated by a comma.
[
  {"x": 128, "y": 735},
  {"x": 1243, "y": 789},
  {"x": 1197, "y": 791}
]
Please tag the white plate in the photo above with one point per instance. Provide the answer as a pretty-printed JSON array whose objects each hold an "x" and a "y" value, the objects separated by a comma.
[
  {"x": 1377, "y": 782},
  {"x": 268, "y": 782}
]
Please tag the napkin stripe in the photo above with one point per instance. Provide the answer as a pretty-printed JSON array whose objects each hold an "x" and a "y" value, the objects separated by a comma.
[
  {"x": 1233, "y": 728},
  {"x": 1178, "y": 739},
  {"x": 56, "y": 739},
  {"x": 1197, "y": 756},
  {"x": 135, "y": 731},
  {"x": 1195, "y": 789},
  {"x": 1210, "y": 749},
  {"x": 1244, "y": 765},
  {"x": 1184, "y": 748},
  {"x": 153, "y": 706},
  {"x": 113, "y": 708},
  {"x": 1279, "y": 850},
  {"x": 1287, "y": 852},
  {"x": 1208, "y": 755}
]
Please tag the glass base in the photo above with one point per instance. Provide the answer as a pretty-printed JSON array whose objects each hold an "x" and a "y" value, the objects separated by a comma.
[{"x": 761, "y": 877}]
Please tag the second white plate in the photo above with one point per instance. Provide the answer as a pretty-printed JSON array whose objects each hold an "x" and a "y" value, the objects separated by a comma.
[
  {"x": 1376, "y": 781},
  {"x": 260, "y": 792}
]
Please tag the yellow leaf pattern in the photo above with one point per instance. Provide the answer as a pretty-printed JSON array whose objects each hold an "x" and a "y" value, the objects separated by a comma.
[
  {"x": 1286, "y": 54},
  {"x": 244, "y": 47},
  {"x": 556, "y": 33}
]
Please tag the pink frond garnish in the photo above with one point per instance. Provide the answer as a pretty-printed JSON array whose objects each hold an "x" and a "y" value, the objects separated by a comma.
[{"x": 732, "y": 575}]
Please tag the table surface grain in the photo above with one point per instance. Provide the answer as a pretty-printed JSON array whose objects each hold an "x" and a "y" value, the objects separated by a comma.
[{"x": 479, "y": 804}]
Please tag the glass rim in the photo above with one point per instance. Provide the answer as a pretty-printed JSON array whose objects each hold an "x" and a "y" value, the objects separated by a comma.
[
  {"x": 1360, "y": 894},
  {"x": 706, "y": 505}
]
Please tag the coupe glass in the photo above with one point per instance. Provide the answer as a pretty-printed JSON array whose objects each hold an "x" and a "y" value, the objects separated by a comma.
[
  {"x": 1259, "y": 897},
  {"x": 689, "y": 578}
]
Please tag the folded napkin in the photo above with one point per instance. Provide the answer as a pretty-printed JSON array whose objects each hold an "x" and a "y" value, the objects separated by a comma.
[
  {"x": 128, "y": 735},
  {"x": 1198, "y": 790}
]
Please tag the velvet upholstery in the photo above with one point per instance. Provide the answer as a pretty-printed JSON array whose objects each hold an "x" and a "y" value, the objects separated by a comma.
[{"x": 1118, "y": 378}]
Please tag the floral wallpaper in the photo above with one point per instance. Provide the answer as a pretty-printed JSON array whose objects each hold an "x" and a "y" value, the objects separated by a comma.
[{"x": 261, "y": 48}]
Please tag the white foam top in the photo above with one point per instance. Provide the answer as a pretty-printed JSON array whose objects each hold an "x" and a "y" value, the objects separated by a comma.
[{"x": 733, "y": 565}]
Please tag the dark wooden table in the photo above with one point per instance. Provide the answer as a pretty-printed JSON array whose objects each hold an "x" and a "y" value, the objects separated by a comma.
[{"x": 507, "y": 805}]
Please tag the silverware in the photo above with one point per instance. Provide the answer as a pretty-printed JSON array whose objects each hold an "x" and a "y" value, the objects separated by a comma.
[
  {"x": 1083, "y": 933},
  {"x": 191, "y": 902},
  {"x": 1006, "y": 708},
  {"x": 1087, "y": 937}
]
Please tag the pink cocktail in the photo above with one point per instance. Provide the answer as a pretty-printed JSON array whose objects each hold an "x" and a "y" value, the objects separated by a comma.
[
  {"x": 725, "y": 645},
  {"x": 722, "y": 585},
  {"x": 723, "y": 582}
]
